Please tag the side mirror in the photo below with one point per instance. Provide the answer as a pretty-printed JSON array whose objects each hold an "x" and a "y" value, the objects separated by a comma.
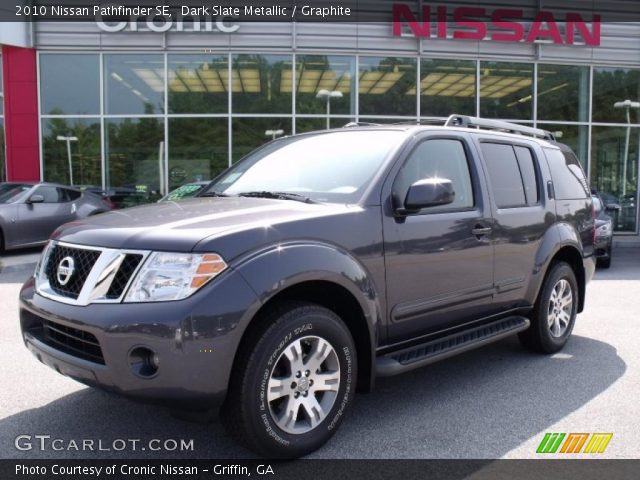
[
  {"x": 36, "y": 199},
  {"x": 612, "y": 207},
  {"x": 428, "y": 192}
]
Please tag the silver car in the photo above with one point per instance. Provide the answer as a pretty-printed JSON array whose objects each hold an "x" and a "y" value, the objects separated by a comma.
[{"x": 30, "y": 212}]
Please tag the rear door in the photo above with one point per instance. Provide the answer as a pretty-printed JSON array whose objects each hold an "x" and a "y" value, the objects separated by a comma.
[
  {"x": 439, "y": 261},
  {"x": 519, "y": 212},
  {"x": 37, "y": 221}
]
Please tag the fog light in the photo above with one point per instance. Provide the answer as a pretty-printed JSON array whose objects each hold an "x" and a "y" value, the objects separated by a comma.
[{"x": 143, "y": 362}]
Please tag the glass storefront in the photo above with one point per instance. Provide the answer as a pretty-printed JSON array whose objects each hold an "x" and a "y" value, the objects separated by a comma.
[{"x": 156, "y": 121}]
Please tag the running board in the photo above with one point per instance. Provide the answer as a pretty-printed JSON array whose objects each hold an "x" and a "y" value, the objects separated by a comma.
[{"x": 402, "y": 361}]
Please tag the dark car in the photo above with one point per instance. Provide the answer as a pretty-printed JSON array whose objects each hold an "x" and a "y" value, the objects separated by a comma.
[
  {"x": 187, "y": 190},
  {"x": 604, "y": 230},
  {"x": 315, "y": 264},
  {"x": 30, "y": 212}
]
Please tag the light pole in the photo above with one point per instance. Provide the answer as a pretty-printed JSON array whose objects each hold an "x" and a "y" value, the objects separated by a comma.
[
  {"x": 68, "y": 139},
  {"x": 329, "y": 95},
  {"x": 273, "y": 133},
  {"x": 627, "y": 105}
]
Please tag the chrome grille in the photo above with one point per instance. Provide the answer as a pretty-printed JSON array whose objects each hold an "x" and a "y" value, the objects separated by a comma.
[
  {"x": 84, "y": 261},
  {"x": 100, "y": 275},
  {"x": 123, "y": 275}
]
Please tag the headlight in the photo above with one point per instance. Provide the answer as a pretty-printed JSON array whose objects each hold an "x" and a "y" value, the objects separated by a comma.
[
  {"x": 604, "y": 229},
  {"x": 173, "y": 276}
]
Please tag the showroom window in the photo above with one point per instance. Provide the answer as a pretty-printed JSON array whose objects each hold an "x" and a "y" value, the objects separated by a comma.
[
  {"x": 446, "y": 87},
  {"x": 70, "y": 105},
  {"x": 261, "y": 83},
  {"x": 198, "y": 84},
  {"x": 198, "y": 149},
  {"x": 563, "y": 93},
  {"x": 250, "y": 133},
  {"x": 322, "y": 79},
  {"x": 134, "y": 84},
  {"x": 72, "y": 85},
  {"x": 613, "y": 85},
  {"x": 135, "y": 158},
  {"x": 387, "y": 86},
  {"x": 71, "y": 151},
  {"x": 506, "y": 90}
]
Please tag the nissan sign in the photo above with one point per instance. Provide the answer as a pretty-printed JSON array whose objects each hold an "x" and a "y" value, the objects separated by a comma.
[{"x": 502, "y": 24}]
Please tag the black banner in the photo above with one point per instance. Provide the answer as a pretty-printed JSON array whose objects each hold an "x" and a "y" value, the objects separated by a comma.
[
  {"x": 162, "y": 11},
  {"x": 320, "y": 469}
]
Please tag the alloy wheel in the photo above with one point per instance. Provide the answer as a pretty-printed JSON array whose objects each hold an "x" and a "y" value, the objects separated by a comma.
[{"x": 303, "y": 384}]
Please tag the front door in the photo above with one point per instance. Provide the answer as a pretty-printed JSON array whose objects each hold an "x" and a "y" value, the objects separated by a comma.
[
  {"x": 37, "y": 221},
  {"x": 439, "y": 261}
]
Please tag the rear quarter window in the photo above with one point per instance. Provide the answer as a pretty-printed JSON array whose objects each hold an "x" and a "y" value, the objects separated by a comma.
[{"x": 569, "y": 181}]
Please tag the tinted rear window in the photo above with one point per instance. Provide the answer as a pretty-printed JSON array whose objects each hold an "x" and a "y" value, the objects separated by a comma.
[
  {"x": 569, "y": 181},
  {"x": 504, "y": 175}
]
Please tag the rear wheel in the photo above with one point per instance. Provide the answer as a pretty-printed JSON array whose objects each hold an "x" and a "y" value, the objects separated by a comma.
[
  {"x": 294, "y": 382},
  {"x": 554, "y": 314}
]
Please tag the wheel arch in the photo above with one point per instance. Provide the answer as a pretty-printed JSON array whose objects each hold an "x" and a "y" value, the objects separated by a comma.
[
  {"x": 572, "y": 256},
  {"x": 331, "y": 296}
]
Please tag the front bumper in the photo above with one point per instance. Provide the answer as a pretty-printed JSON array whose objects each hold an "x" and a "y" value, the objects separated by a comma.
[
  {"x": 195, "y": 341},
  {"x": 602, "y": 246}
]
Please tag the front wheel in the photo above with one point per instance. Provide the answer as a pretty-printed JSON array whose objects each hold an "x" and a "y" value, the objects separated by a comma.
[
  {"x": 294, "y": 382},
  {"x": 554, "y": 313}
]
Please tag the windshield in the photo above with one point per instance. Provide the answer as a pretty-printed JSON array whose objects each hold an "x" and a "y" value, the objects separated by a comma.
[
  {"x": 11, "y": 191},
  {"x": 328, "y": 167}
]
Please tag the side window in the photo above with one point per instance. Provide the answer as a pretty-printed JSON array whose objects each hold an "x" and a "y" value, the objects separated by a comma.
[
  {"x": 504, "y": 174},
  {"x": 528, "y": 172},
  {"x": 443, "y": 158},
  {"x": 569, "y": 182},
  {"x": 50, "y": 194},
  {"x": 71, "y": 195}
]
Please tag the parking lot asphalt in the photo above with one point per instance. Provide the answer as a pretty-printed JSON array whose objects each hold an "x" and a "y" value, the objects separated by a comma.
[{"x": 494, "y": 402}]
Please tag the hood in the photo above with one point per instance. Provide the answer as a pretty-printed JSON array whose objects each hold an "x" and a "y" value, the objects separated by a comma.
[{"x": 180, "y": 226}]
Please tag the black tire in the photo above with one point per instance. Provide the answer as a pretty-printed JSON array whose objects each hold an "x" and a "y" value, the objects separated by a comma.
[
  {"x": 252, "y": 419},
  {"x": 542, "y": 336}
]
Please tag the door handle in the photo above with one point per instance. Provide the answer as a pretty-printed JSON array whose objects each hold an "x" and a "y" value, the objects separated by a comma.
[{"x": 481, "y": 231}]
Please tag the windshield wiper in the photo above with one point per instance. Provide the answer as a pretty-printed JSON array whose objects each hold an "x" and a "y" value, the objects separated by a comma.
[
  {"x": 277, "y": 195},
  {"x": 213, "y": 194}
]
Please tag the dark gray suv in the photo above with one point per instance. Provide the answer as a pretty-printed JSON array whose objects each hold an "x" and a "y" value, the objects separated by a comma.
[{"x": 315, "y": 264}]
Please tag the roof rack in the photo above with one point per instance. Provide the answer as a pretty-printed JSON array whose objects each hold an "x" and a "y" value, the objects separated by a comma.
[{"x": 471, "y": 122}]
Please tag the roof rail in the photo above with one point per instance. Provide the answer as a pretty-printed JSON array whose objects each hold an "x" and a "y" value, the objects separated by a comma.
[
  {"x": 361, "y": 124},
  {"x": 422, "y": 121},
  {"x": 471, "y": 122}
]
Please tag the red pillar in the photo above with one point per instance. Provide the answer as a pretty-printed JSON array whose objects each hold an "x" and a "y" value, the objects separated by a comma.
[{"x": 21, "y": 113}]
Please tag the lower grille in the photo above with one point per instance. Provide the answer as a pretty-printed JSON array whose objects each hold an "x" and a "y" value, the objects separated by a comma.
[
  {"x": 71, "y": 341},
  {"x": 83, "y": 262}
]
